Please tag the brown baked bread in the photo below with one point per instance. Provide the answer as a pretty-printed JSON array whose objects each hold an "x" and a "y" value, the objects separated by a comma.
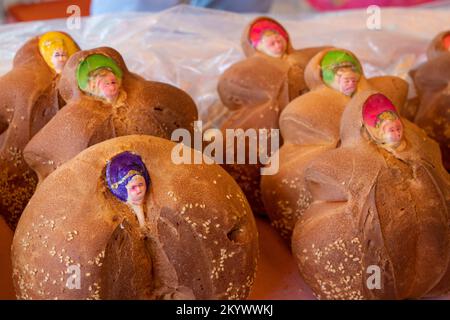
[
  {"x": 105, "y": 100},
  {"x": 28, "y": 100},
  {"x": 432, "y": 82},
  {"x": 258, "y": 88},
  {"x": 188, "y": 245},
  {"x": 378, "y": 223},
  {"x": 310, "y": 126}
]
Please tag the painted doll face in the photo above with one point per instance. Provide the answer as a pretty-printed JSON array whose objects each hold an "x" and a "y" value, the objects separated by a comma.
[
  {"x": 108, "y": 85},
  {"x": 105, "y": 84},
  {"x": 392, "y": 132},
  {"x": 56, "y": 48},
  {"x": 382, "y": 121},
  {"x": 59, "y": 59},
  {"x": 269, "y": 37},
  {"x": 100, "y": 76},
  {"x": 136, "y": 189},
  {"x": 273, "y": 44},
  {"x": 127, "y": 178},
  {"x": 346, "y": 81},
  {"x": 341, "y": 71}
]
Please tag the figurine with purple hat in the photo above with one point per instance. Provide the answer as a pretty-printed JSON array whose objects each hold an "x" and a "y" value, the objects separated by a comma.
[{"x": 128, "y": 180}]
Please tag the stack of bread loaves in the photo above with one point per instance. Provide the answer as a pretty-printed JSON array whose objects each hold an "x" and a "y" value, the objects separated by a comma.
[{"x": 103, "y": 208}]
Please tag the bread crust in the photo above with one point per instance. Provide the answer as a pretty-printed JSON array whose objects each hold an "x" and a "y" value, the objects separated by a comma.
[
  {"x": 430, "y": 109},
  {"x": 310, "y": 125},
  {"x": 144, "y": 107},
  {"x": 29, "y": 98},
  {"x": 256, "y": 90},
  {"x": 371, "y": 207},
  {"x": 192, "y": 246}
]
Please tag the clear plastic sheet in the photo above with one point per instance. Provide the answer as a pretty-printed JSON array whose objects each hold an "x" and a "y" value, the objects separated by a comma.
[{"x": 190, "y": 47}]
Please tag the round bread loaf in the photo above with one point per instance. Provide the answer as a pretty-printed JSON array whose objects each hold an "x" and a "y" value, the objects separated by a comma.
[
  {"x": 309, "y": 126},
  {"x": 198, "y": 239},
  {"x": 378, "y": 223}
]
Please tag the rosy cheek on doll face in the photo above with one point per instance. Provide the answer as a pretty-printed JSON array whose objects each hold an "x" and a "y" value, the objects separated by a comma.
[
  {"x": 136, "y": 190},
  {"x": 109, "y": 86},
  {"x": 59, "y": 59},
  {"x": 393, "y": 131},
  {"x": 274, "y": 45},
  {"x": 347, "y": 84}
]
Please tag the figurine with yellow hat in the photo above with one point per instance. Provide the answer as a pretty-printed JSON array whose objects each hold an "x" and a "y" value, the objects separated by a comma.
[
  {"x": 56, "y": 48},
  {"x": 29, "y": 98}
]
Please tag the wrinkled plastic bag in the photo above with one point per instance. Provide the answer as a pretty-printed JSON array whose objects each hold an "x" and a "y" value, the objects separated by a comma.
[{"x": 190, "y": 47}]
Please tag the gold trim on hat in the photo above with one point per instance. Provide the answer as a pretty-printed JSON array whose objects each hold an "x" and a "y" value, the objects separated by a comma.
[{"x": 129, "y": 174}]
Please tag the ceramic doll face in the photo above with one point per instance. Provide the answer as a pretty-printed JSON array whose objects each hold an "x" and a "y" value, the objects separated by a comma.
[
  {"x": 341, "y": 71},
  {"x": 128, "y": 180},
  {"x": 382, "y": 121},
  {"x": 104, "y": 84},
  {"x": 56, "y": 48},
  {"x": 136, "y": 189},
  {"x": 59, "y": 59},
  {"x": 346, "y": 81},
  {"x": 272, "y": 44},
  {"x": 99, "y": 75},
  {"x": 127, "y": 177},
  {"x": 108, "y": 85},
  {"x": 391, "y": 132},
  {"x": 269, "y": 37}
]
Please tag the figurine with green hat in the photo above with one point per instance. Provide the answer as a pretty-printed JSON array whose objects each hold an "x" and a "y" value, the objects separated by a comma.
[
  {"x": 100, "y": 76},
  {"x": 341, "y": 71}
]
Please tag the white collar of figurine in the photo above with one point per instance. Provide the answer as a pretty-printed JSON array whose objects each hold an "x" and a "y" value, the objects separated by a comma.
[
  {"x": 120, "y": 100},
  {"x": 391, "y": 149},
  {"x": 400, "y": 147}
]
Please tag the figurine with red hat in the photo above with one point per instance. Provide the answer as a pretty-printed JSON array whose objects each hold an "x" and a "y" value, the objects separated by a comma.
[{"x": 382, "y": 120}]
